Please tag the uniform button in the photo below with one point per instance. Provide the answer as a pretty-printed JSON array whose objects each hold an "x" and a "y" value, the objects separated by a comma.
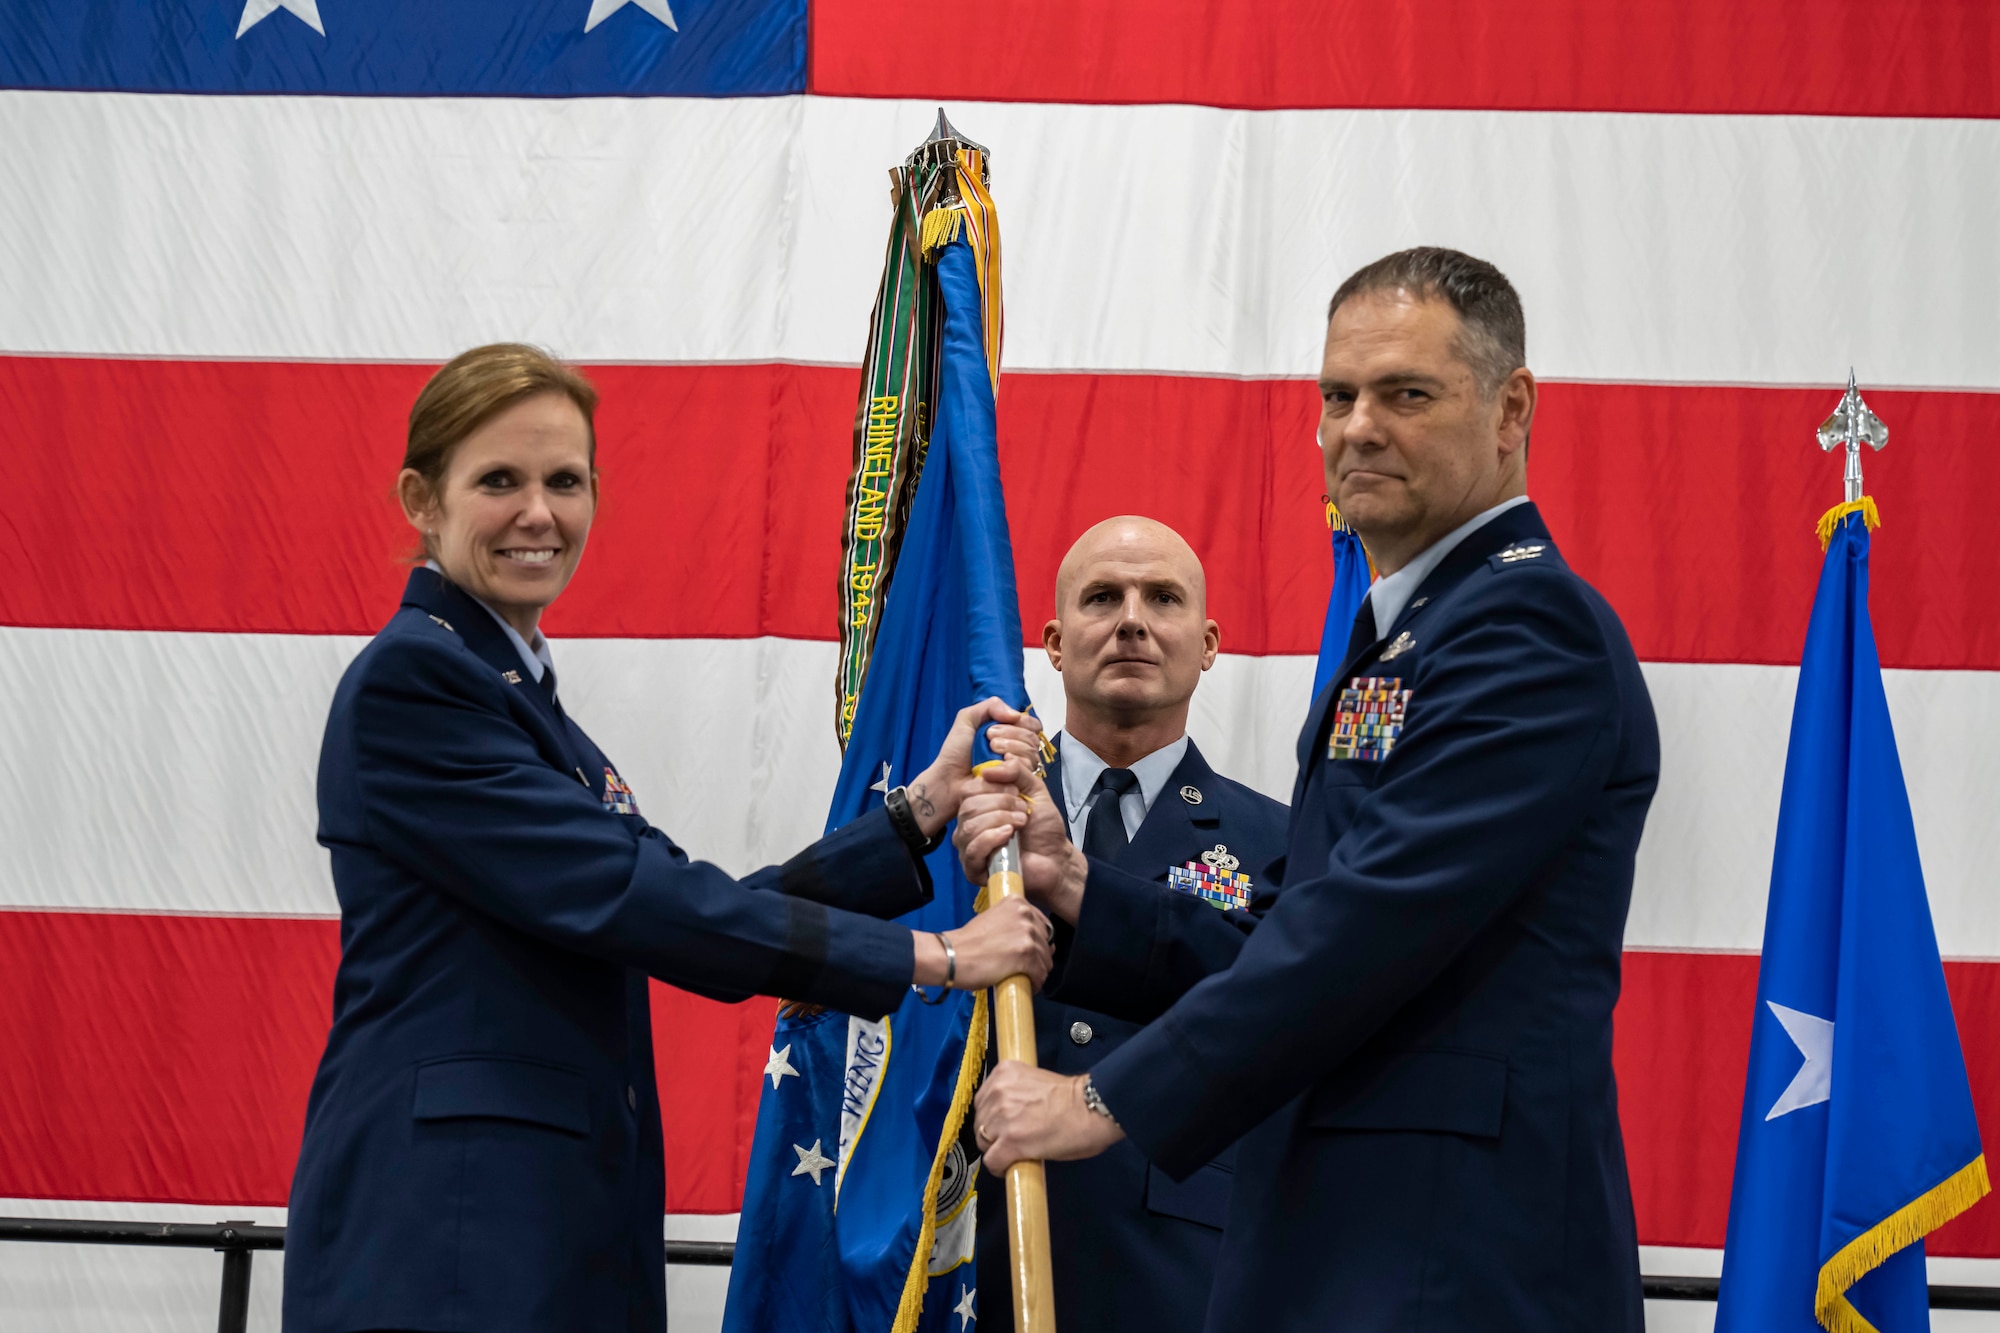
[
  {"x": 1080, "y": 1033},
  {"x": 631, "y": 1097}
]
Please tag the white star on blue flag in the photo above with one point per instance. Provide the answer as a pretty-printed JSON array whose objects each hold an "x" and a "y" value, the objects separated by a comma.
[
  {"x": 601, "y": 10},
  {"x": 256, "y": 11},
  {"x": 1813, "y": 1083}
]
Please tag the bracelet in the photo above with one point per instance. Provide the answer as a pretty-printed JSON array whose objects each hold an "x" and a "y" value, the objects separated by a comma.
[
  {"x": 950, "y": 973},
  {"x": 904, "y": 820},
  {"x": 1095, "y": 1101}
]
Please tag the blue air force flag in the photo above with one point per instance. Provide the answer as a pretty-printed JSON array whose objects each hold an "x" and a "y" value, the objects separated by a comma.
[
  {"x": 1343, "y": 603},
  {"x": 1858, "y": 1135},
  {"x": 860, "y": 1206}
]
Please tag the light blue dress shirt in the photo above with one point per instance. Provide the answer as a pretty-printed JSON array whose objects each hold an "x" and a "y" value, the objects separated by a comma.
[
  {"x": 1392, "y": 592},
  {"x": 534, "y": 652},
  {"x": 1080, "y": 769}
]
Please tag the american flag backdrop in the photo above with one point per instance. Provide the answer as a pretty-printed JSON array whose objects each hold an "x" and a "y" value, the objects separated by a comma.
[{"x": 237, "y": 235}]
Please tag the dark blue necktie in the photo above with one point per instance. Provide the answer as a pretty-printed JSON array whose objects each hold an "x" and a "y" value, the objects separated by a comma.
[
  {"x": 1104, "y": 831},
  {"x": 1364, "y": 632}
]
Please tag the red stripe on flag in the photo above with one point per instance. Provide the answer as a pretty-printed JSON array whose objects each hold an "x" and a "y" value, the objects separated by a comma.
[
  {"x": 167, "y": 1059},
  {"x": 1813, "y": 57},
  {"x": 253, "y": 496},
  {"x": 1683, "y": 1050}
]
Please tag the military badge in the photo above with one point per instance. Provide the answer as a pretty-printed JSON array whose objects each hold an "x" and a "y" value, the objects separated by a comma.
[
  {"x": 1402, "y": 645},
  {"x": 1214, "y": 879},
  {"x": 1368, "y": 718},
  {"x": 618, "y": 798}
]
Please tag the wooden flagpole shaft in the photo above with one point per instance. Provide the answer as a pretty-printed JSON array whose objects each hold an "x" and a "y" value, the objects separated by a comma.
[{"x": 1027, "y": 1190}]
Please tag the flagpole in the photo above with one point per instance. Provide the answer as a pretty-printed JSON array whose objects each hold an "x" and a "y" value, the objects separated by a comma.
[{"x": 1027, "y": 1188}]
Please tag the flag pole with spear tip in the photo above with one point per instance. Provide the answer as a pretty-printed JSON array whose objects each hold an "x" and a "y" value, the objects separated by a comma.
[
  {"x": 1029, "y": 1264},
  {"x": 916, "y": 396},
  {"x": 1014, "y": 998}
]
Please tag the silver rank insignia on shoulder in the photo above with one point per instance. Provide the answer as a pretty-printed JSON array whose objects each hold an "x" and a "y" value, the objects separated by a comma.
[
  {"x": 1191, "y": 794},
  {"x": 1402, "y": 645},
  {"x": 1515, "y": 554},
  {"x": 1215, "y": 880},
  {"x": 511, "y": 677},
  {"x": 440, "y": 620}
]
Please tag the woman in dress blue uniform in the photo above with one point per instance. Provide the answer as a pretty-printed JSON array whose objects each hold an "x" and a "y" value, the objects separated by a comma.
[{"x": 483, "y": 1142}]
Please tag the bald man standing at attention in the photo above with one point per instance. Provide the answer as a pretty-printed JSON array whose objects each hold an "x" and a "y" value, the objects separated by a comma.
[{"x": 1134, "y": 1250}]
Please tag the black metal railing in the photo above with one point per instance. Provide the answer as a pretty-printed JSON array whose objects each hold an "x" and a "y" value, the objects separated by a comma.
[
  {"x": 238, "y": 1243},
  {"x": 1705, "y": 1289}
]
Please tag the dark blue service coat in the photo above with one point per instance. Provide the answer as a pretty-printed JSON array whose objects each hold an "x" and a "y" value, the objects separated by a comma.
[
  {"x": 1134, "y": 1249},
  {"x": 1414, "y": 1043},
  {"x": 482, "y": 1146}
]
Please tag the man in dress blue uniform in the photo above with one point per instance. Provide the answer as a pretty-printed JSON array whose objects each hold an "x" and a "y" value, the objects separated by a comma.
[
  {"x": 1134, "y": 1249},
  {"x": 1414, "y": 1043}
]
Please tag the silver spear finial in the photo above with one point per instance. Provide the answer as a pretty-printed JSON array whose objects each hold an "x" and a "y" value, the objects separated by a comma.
[
  {"x": 1852, "y": 424},
  {"x": 943, "y": 144}
]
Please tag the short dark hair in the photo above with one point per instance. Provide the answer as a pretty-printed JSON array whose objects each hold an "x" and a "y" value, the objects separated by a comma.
[{"x": 1494, "y": 341}]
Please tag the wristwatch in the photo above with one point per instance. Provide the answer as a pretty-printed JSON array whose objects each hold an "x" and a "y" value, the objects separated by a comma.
[
  {"x": 1095, "y": 1101},
  {"x": 904, "y": 820}
]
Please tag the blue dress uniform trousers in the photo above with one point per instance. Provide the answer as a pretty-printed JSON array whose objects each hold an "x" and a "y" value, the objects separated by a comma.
[
  {"x": 1134, "y": 1249},
  {"x": 483, "y": 1141},
  {"x": 1414, "y": 1043}
]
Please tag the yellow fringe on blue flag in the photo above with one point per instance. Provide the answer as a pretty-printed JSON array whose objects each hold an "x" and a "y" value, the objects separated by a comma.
[
  {"x": 1907, "y": 1225},
  {"x": 1337, "y": 524},
  {"x": 941, "y": 227},
  {"x": 1830, "y": 520},
  {"x": 912, "y": 1306}
]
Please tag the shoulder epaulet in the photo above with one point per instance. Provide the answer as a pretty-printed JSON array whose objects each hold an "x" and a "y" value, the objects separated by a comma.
[{"x": 1518, "y": 554}]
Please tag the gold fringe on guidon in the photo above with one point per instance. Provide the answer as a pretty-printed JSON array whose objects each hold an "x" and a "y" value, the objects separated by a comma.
[
  {"x": 1912, "y": 1222},
  {"x": 912, "y": 1306},
  {"x": 940, "y": 229},
  {"x": 1335, "y": 522},
  {"x": 1830, "y": 520}
]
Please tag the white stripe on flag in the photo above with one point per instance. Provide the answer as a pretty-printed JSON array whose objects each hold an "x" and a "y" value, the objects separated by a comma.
[
  {"x": 1178, "y": 239},
  {"x": 209, "y": 807}
]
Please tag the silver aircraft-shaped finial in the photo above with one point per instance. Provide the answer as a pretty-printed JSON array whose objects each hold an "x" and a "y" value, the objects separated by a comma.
[{"x": 1852, "y": 424}]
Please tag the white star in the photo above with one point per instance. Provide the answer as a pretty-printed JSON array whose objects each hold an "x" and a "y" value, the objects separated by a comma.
[
  {"x": 881, "y": 784},
  {"x": 256, "y": 11},
  {"x": 601, "y": 10},
  {"x": 811, "y": 1163},
  {"x": 778, "y": 1066},
  {"x": 964, "y": 1307},
  {"x": 1813, "y": 1083}
]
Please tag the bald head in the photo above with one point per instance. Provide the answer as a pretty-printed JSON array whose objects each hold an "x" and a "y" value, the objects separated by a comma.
[
  {"x": 1130, "y": 539},
  {"x": 1131, "y": 636}
]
